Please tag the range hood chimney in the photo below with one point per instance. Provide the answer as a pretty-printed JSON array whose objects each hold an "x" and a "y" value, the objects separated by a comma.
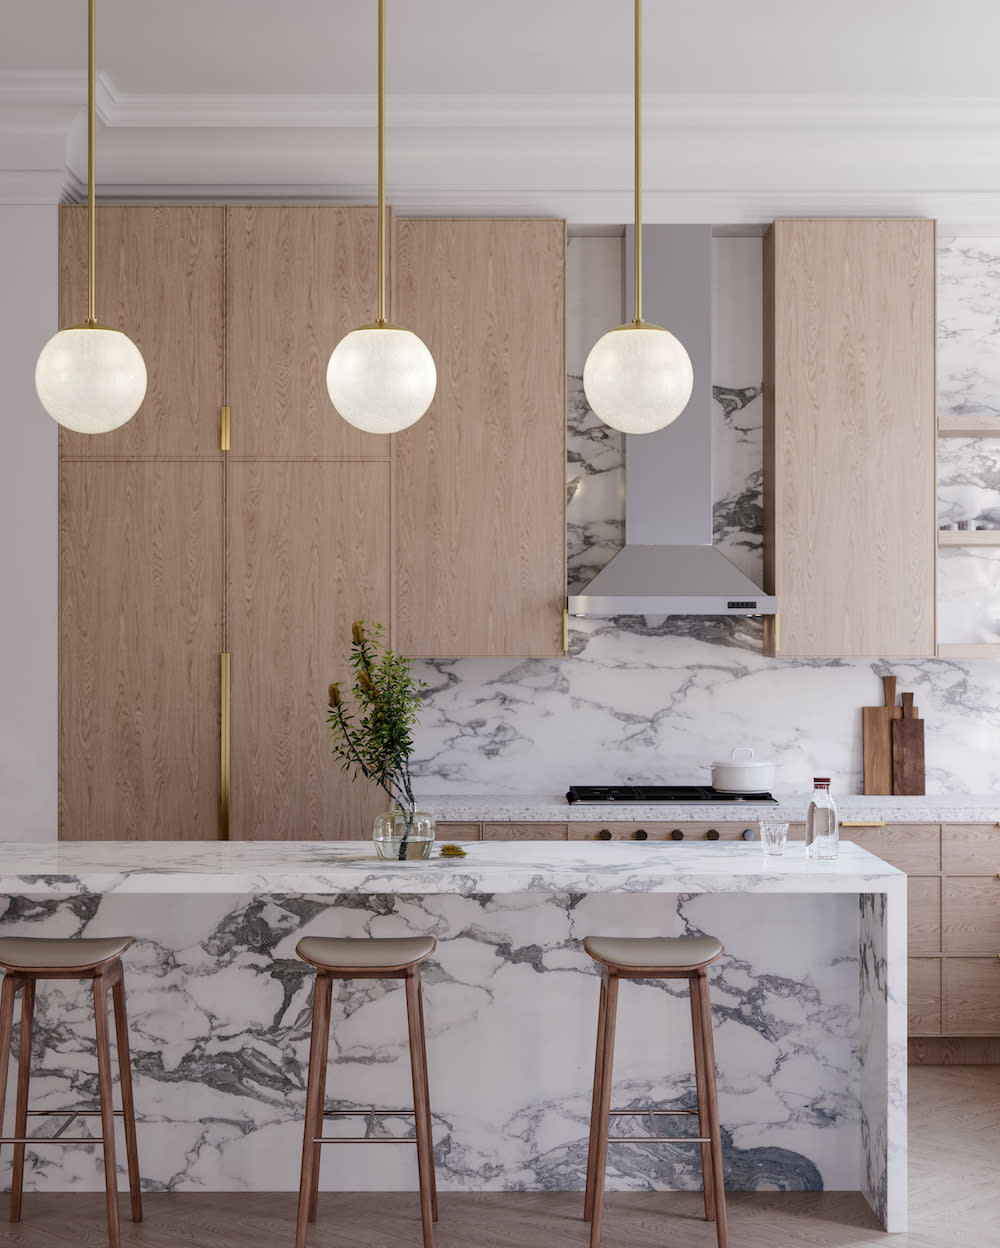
[{"x": 668, "y": 565}]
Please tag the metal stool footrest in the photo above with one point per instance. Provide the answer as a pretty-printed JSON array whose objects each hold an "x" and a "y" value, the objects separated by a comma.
[
  {"x": 652, "y": 1115},
  {"x": 367, "y": 1138},
  {"x": 70, "y": 1115}
]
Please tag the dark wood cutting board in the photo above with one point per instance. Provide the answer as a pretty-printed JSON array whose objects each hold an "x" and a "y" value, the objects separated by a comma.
[
  {"x": 876, "y": 731},
  {"x": 908, "y": 751}
]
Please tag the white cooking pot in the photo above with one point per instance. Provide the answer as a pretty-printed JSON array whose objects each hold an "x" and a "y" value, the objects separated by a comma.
[{"x": 743, "y": 775}]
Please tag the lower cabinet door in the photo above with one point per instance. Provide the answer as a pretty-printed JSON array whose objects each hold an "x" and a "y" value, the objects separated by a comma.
[
  {"x": 524, "y": 831},
  {"x": 924, "y": 996},
  {"x": 971, "y": 996},
  {"x": 455, "y": 831}
]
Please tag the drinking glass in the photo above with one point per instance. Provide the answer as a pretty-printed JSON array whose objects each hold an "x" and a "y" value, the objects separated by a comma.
[{"x": 772, "y": 837}]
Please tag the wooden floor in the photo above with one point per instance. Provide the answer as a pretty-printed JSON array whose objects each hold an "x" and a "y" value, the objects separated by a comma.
[{"x": 954, "y": 1203}]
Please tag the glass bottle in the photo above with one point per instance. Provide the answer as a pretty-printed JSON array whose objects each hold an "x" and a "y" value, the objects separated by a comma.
[{"x": 822, "y": 824}]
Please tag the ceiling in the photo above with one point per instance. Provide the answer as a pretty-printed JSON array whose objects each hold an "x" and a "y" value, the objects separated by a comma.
[
  {"x": 752, "y": 108},
  {"x": 852, "y": 47}
]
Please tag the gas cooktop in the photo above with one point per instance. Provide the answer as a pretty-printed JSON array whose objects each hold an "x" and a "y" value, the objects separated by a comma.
[{"x": 649, "y": 794}]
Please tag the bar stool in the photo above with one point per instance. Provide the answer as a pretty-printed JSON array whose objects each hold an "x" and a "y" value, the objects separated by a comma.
[
  {"x": 342, "y": 958},
  {"x": 25, "y": 961},
  {"x": 678, "y": 957}
]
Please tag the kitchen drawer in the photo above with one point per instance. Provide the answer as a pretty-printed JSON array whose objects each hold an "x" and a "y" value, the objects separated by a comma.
[
  {"x": 662, "y": 831},
  {"x": 456, "y": 831},
  {"x": 970, "y": 992},
  {"x": 971, "y": 849},
  {"x": 924, "y": 914},
  {"x": 924, "y": 996},
  {"x": 524, "y": 831},
  {"x": 970, "y": 914},
  {"x": 911, "y": 847}
]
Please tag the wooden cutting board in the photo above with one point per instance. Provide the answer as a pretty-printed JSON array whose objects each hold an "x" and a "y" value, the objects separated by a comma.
[
  {"x": 876, "y": 728},
  {"x": 908, "y": 751}
]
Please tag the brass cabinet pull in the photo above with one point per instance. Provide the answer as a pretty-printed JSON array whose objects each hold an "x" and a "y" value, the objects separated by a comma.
[
  {"x": 225, "y": 429},
  {"x": 862, "y": 823}
]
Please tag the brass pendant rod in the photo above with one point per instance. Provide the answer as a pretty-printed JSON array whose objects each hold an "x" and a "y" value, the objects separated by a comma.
[
  {"x": 380, "y": 319},
  {"x": 91, "y": 109},
  {"x": 638, "y": 162}
]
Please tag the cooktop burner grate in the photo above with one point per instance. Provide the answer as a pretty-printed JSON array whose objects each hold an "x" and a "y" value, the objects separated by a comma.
[{"x": 649, "y": 794}]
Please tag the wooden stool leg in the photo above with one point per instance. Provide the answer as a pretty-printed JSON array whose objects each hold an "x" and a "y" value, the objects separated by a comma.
[
  {"x": 107, "y": 1106},
  {"x": 10, "y": 987},
  {"x": 319, "y": 1045},
  {"x": 604, "y": 1108},
  {"x": 425, "y": 1147},
  {"x": 701, "y": 1087},
  {"x": 128, "y": 1103},
  {"x": 700, "y": 983},
  {"x": 588, "y": 1198},
  {"x": 427, "y": 1093},
  {"x": 321, "y": 1100},
  {"x": 21, "y": 1112}
]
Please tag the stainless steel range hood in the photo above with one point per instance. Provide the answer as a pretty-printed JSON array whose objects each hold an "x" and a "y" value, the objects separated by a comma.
[{"x": 669, "y": 565}]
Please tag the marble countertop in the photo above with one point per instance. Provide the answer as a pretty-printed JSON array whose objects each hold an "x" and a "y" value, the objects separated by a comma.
[
  {"x": 553, "y": 808},
  {"x": 337, "y": 867}
]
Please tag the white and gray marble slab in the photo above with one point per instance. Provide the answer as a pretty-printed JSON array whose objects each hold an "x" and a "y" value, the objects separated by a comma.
[{"x": 808, "y": 1006}]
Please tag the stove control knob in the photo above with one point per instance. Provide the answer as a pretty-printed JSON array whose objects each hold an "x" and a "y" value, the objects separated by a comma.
[
  {"x": 604, "y": 834},
  {"x": 712, "y": 834},
  {"x": 749, "y": 834},
  {"x": 641, "y": 834},
  {"x": 677, "y": 835}
]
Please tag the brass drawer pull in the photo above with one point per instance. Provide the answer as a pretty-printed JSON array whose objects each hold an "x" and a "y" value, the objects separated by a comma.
[{"x": 862, "y": 823}]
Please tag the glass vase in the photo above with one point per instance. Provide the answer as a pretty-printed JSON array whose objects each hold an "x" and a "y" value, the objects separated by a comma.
[{"x": 403, "y": 835}]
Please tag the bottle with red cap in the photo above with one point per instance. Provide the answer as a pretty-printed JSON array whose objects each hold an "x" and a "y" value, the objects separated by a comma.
[{"x": 822, "y": 824}]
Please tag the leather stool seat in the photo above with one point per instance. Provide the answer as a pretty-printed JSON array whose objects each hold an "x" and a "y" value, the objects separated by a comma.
[
  {"x": 654, "y": 953},
  {"x": 334, "y": 953},
  {"x": 40, "y": 953}
]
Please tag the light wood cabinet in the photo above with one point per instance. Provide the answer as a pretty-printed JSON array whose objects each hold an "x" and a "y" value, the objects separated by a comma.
[
  {"x": 300, "y": 278},
  {"x": 140, "y": 631},
  {"x": 970, "y": 993},
  {"x": 480, "y": 479},
  {"x": 159, "y": 279},
  {"x": 849, "y": 436},
  {"x": 524, "y": 831},
  {"x": 924, "y": 996},
  {"x": 451, "y": 831}
]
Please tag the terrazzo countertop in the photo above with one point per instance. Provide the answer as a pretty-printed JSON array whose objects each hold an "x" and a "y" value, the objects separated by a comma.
[{"x": 553, "y": 808}]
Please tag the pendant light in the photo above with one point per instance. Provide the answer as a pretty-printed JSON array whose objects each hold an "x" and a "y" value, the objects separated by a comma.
[
  {"x": 381, "y": 377},
  {"x": 638, "y": 377},
  {"x": 90, "y": 378}
]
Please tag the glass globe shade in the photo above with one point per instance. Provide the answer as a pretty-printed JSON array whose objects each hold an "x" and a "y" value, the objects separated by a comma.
[
  {"x": 90, "y": 379},
  {"x": 638, "y": 378},
  {"x": 381, "y": 378}
]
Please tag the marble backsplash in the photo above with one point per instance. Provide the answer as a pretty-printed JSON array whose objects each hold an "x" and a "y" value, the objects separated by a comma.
[{"x": 658, "y": 699}]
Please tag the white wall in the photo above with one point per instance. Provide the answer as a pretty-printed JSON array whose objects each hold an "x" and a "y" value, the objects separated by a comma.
[{"x": 28, "y": 529}]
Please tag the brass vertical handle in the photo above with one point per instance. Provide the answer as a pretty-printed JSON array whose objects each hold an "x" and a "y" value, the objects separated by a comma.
[
  {"x": 224, "y": 759},
  {"x": 225, "y": 429}
]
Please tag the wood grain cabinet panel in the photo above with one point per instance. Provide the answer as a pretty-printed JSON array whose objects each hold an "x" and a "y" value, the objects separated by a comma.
[
  {"x": 971, "y": 996},
  {"x": 481, "y": 477},
  {"x": 911, "y": 847},
  {"x": 524, "y": 831},
  {"x": 923, "y": 914},
  {"x": 300, "y": 278},
  {"x": 160, "y": 280},
  {"x": 309, "y": 554},
  {"x": 971, "y": 849},
  {"x": 924, "y": 996},
  {"x": 140, "y": 632},
  {"x": 971, "y": 914},
  {"x": 849, "y": 436},
  {"x": 456, "y": 831}
]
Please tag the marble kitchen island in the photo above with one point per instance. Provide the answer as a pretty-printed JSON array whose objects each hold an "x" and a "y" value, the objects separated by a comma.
[{"x": 809, "y": 1004}]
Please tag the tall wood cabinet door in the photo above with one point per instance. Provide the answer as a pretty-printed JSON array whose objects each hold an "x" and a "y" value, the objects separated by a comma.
[
  {"x": 849, "y": 438},
  {"x": 309, "y": 554},
  {"x": 159, "y": 279},
  {"x": 140, "y": 632},
  {"x": 299, "y": 279},
  {"x": 481, "y": 567}
]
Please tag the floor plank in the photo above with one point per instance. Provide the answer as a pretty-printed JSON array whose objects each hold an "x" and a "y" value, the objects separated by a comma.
[{"x": 954, "y": 1125}]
